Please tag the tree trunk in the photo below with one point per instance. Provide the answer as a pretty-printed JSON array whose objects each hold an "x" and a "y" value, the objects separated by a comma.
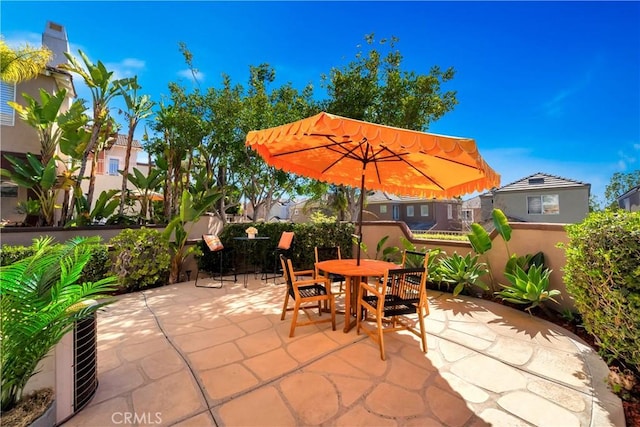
[
  {"x": 83, "y": 163},
  {"x": 127, "y": 159},
  {"x": 92, "y": 180}
]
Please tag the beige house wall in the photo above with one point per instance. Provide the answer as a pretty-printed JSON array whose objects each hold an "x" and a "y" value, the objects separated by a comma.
[
  {"x": 574, "y": 204},
  {"x": 22, "y": 138},
  {"x": 104, "y": 181},
  {"x": 526, "y": 238}
]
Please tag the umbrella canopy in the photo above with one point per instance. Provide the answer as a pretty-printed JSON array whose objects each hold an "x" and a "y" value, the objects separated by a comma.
[{"x": 370, "y": 156}]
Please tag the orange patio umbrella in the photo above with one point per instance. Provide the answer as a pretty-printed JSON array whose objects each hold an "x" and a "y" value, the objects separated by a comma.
[{"x": 370, "y": 156}]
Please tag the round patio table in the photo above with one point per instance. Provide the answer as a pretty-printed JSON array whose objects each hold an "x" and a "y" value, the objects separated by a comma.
[
  {"x": 353, "y": 274},
  {"x": 246, "y": 250}
]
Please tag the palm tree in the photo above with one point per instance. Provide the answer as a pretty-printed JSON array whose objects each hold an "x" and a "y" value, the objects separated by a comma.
[
  {"x": 25, "y": 63},
  {"x": 103, "y": 90},
  {"x": 43, "y": 117},
  {"x": 138, "y": 108}
]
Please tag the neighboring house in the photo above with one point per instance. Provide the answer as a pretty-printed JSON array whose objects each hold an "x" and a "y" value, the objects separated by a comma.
[
  {"x": 470, "y": 212},
  {"x": 417, "y": 213},
  {"x": 18, "y": 138},
  {"x": 299, "y": 212},
  {"x": 539, "y": 198},
  {"x": 280, "y": 211},
  {"x": 630, "y": 201},
  {"x": 110, "y": 162}
]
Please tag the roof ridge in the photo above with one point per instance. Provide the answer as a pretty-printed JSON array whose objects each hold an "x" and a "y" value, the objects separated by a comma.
[{"x": 544, "y": 174}]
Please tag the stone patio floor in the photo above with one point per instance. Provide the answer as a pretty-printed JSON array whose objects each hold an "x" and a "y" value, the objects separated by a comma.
[{"x": 186, "y": 356}]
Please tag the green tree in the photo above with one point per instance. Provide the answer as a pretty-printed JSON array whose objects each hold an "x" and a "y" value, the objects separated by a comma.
[
  {"x": 265, "y": 185},
  {"x": 42, "y": 116},
  {"x": 24, "y": 63},
  {"x": 619, "y": 184},
  {"x": 375, "y": 88},
  {"x": 41, "y": 179},
  {"x": 145, "y": 185},
  {"x": 103, "y": 90},
  {"x": 138, "y": 107}
]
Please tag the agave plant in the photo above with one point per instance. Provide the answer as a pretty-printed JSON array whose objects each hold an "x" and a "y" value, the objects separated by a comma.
[
  {"x": 530, "y": 287},
  {"x": 462, "y": 271},
  {"x": 40, "y": 301}
]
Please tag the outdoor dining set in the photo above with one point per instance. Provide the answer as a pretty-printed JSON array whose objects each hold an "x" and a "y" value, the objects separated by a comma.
[
  {"x": 372, "y": 290},
  {"x": 331, "y": 148}
]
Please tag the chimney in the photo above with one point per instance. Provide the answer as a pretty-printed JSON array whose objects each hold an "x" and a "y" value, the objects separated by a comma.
[{"x": 55, "y": 38}]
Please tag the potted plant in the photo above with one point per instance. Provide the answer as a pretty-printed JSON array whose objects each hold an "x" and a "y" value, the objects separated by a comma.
[
  {"x": 251, "y": 232},
  {"x": 41, "y": 298}
]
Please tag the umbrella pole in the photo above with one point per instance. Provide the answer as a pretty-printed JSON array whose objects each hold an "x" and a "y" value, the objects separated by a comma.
[{"x": 361, "y": 210}]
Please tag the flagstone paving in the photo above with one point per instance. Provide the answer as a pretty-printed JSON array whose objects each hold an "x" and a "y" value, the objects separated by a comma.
[{"x": 186, "y": 356}]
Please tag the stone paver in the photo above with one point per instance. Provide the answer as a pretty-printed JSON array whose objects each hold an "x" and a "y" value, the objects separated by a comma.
[{"x": 227, "y": 359}]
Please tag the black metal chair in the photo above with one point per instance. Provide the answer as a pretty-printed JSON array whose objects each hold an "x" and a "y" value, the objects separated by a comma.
[
  {"x": 306, "y": 293},
  {"x": 284, "y": 248},
  {"x": 215, "y": 256},
  {"x": 327, "y": 253},
  {"x": 402, "y": 292}
]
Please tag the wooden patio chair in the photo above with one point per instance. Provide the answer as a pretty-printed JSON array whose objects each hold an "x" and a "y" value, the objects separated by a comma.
[
  {"x": 402, "y": 292},
  {"x": 306, "y": 293}
]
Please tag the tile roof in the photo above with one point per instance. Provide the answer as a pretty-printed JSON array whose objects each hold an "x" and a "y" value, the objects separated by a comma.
[
  {"x": 122, "y": 141},
  {"x": 383, "y": 196},
  {"x": 541, "y": 180}
]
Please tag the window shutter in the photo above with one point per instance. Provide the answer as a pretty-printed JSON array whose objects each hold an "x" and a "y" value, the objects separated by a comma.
[{"x": 7, "y": 93}]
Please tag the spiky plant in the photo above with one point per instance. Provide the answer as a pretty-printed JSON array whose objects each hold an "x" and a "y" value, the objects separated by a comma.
[{"x": 40, "y": 300}]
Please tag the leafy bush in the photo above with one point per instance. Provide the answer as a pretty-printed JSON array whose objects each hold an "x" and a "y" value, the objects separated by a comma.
[
  {"x": 141, "y": 258},
  {"x": 98, "y": 266},
  {"x": 11, "y": 254},
  {"x": 41, "y": 298},
  {"x": 602, "y": 274},
  {"x": 307, "y": 236},
  {"x": 463, "y": 272},
  {"x": 528, "y": 287},
  {"x": 95, "y": 269}
]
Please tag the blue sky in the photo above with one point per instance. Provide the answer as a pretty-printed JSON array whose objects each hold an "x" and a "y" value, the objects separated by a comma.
[{"x": 548, "y": 87}]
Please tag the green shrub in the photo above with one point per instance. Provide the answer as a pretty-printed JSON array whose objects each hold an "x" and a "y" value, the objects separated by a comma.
[
  {"x": 96, "y": 268},
  {"x": 307, "y": 236},
  {"x": 463, "y": 272},
  {"x": 141, "y": 259},
  {"x": 11, "y": 254},
  {"x": 602, "y": 274},
  {"x": 528, "y": 287}
]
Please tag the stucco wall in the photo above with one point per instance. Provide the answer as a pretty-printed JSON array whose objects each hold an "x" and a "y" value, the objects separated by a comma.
[
  {"x": 574, "y": 204},
  {"x": 526, "y": 238}
]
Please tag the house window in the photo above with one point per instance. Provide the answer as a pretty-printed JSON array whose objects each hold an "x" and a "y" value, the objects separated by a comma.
[
  {"x": 536, "y": 181},
  {"x": 7, "y": 93},
  {"x": 114, "y": 166},
  {"x": 409, "y": 210},
  {"x": 424, "y": 210},
  {"x": 449, "y": 211},
  {"x": 296, "y": 212},
  {"x": 396, "y": 212},
  {"x": 383, "y": 209},
  {"x": 8, "y": 189},
  {"x": 467, "y": 215},
  {"x": 543, "y": 205}
]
